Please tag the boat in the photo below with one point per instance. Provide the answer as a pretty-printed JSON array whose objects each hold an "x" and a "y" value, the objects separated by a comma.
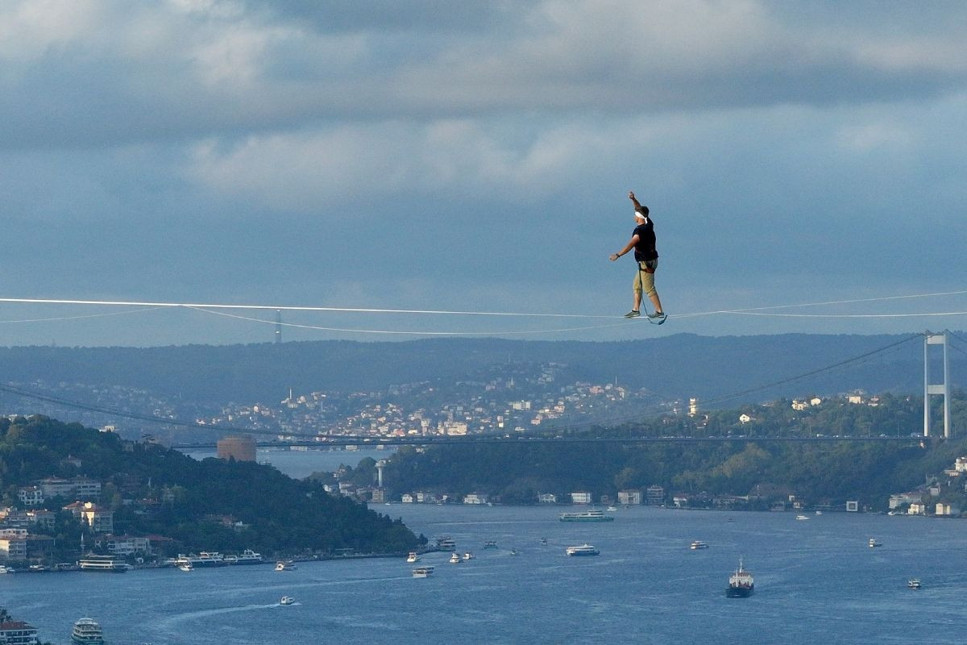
[
  {"x": 586, "y": 516},
  {"x": 186, "y": 566},
  {"x": 205, "y": 559},
  {"x": 612, "y": 509},
  {"x": 913, "y": 583},
  {"x": 514, "y": 552},
  {"x": 422, "y": 572},
  {"x": 802, "y": 517},
  {"x": 413, "y": 557},
  {"x": 108, "y": 563},
  {"x": 468, "y": 556},
  {"x": 741, "y": 583},
  {"x": 248, "y": 556},
  {"x": 446, "y": 543},
  {"x": 285, "y": 565},
  {"x": 287, "y": 600},
  {"x": 874, "y": 543},
  {"x": 490, "y": 544},
  {"x": 455, "y": 558},
  {"x": 698, "y": 544},
  {"x": 584, "y": 549},
  {"x": 4, "y": 569},
  {"x": 86, "y": 630},
  {"x": 543, "y": 541}
]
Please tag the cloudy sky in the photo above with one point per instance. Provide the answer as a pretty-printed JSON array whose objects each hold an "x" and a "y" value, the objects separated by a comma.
[{"x": 476, "y": 157}]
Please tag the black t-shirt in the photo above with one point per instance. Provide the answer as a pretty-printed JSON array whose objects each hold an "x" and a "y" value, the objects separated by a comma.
[{"x": 645, "y": 248}]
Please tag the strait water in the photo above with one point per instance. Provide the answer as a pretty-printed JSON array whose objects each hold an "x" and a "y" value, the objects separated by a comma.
[{"x": 817, "y": 581}]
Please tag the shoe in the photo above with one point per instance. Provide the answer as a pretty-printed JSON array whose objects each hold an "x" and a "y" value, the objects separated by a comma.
[
  {"x": 657, "y": 317},
  {"x": 634, "y": 313}
]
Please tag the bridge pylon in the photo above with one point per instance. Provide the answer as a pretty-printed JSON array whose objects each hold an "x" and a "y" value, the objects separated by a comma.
[{"x": 943, "y": 389}]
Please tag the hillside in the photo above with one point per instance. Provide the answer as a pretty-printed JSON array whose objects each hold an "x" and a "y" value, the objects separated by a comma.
[{"x": 211, "y": 505}]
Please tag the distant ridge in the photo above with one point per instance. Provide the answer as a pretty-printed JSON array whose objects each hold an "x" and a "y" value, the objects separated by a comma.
[{"x": 678, "y": 366}]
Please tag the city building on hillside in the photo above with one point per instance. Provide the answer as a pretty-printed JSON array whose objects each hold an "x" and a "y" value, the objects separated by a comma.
[
  {"x": 100, "y": 519},
  {"x": 581, "y": 497},
  {"x": 629, "y": 497},
  {"x": 31, "y": 496},
  {"x": 17, "y": 632},
  {"x": 13, "y": 549},
  {"x": 237, "y": 447},
  {"x": 475, "y": 498},
  {"x": 124, "y": 545},
  {"x": 78, "y": 488},
  {"x": 655, "y": 495}
]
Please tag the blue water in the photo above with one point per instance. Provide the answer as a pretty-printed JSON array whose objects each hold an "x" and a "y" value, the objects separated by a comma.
[{"x": 817, "y": 581}]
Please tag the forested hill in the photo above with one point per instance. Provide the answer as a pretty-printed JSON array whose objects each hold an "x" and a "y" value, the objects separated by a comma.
[
  {"x": 153, "y": 490},
  {"x": 679, "y": 366}
]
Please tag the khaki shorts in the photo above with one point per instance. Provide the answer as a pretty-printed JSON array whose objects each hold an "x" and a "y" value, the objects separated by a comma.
[{"x": 645, "y": 277}]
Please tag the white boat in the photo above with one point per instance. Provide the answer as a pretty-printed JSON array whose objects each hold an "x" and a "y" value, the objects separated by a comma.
[
  {"x": 584, "y": 549},
  {"x": 202, "y": 560},
  {"x": 103, "y": 563},
  {"x": 248, "y": 556},
  {"x": 874, "y": 543},
  {"x": 593, "y": 515},
  {"x": 802, "y": 517},
  {"x": 913, "y": 583},
  {"x": 422, "y": 572},
  {"x": 468, "y": 556},
  {"x": 4, "y": 570},
  {"x": 285, "y": 565},
  {"x": 412, "y": 557},
  {"x": 186, "y": 566},
  {"x": 86, "y": 630},
  {"x": 287, "y": 600},
  {"x": 698, "y": 544},
  {"x": 455, "y": 558}
]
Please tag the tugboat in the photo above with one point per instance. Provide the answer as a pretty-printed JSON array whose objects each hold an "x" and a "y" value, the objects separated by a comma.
[{"x": 741, "y": 583}]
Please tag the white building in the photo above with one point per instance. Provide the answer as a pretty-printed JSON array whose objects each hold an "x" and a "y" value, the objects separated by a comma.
[{"x": 581, "y": 497}]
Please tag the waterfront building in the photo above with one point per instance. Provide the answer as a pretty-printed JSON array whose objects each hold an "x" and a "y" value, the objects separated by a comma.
[
  {"x": 239, "y": 448},
  {"x": 629, "y": 497},
  {"x": 13, "y": 549},
  {"x": 17, "y": 632}
]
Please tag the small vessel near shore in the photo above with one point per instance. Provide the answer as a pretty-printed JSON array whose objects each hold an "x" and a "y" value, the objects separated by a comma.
[
  {"x": 413, "y": 557},
  {"x": 593, "y": 515},
  {"x": 582, "y": 550},
  {"x": 285, "y": 565},
  {"x": 87, "y": 631},
  {"x": 741, "y": 583},
  {"x": 422, "y": 572},
  {"x": 109, "y": 563},
  {"x": 248, "y": 556}
]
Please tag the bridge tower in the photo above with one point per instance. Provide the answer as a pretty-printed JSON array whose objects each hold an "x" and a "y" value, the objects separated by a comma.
[
  {"x": 278, "y": 325},
  {"x": 929, "y": 388}
]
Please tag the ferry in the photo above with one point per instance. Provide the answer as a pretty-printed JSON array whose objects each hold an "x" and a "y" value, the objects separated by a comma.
[
  {"x": 412, "y": 557},
  {"x": 287, "y": 600},
  {"x": 698, "y": 544},
  {"x": 584, "y": 549},
  {"x": 103, "y": 563},
  {"x": 248, "y": 557},
  {"x": 741, "y": 583},
  {"x": 87, "y": 631},
  {"x": 593, "y": 515},
  {"x": 446, "y": 543},
  {"x": 422, "y": 572},
  {"x": 285, "y": 565},
  {"x": 202, "y": 560}
]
